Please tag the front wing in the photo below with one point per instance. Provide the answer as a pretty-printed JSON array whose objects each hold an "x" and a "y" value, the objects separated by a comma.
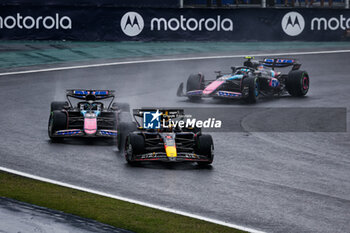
[
  {"x": 81, "y": 133},
  {"x": 181, "y": 157},
  {"x": 216, "y": 94}
]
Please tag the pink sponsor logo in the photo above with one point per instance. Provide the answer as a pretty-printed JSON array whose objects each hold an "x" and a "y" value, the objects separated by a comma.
[
  {"x": 212, "y": 87},
  {"x": 90, "y": 125}
]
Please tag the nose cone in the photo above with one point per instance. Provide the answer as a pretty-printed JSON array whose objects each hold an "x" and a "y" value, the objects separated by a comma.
[
  {"x": 171, "y": 151},
  {"x": 212, "y": 87},
  {"x": 90, "y": 125}
]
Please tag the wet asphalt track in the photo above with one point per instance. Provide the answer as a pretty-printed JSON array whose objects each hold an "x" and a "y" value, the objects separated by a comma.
[{"x": 277, "y": 182}]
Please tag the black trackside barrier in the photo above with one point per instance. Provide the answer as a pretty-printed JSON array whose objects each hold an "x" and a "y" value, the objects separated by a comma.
[
  {"x": 89, "y": 23},
  {"x": 96, "y": 3}
]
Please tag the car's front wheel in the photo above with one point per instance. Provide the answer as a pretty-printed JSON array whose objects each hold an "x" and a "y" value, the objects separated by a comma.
[
  {"x": 205, "y": 146},
  {"x": 298, "y": 83},
  {"x": 252, "y": 84},
  {"x": 195, "y": 82},
  {"x": 57, "y": 121},
  {"x": 134, "y": 145}
]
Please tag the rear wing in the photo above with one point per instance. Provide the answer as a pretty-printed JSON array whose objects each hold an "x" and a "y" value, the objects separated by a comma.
[
  {"x": 281, "y": 63},
  {"x": 82, "y": 94}
]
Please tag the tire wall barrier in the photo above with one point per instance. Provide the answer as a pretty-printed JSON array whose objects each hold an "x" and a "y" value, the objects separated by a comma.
[{"x": 108, "y": 23}]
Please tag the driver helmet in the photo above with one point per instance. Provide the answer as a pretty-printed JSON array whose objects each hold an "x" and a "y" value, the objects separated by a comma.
[{"x": 260, "y": 67}]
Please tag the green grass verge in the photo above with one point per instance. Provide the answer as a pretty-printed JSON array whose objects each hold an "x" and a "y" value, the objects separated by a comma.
[{"x": 114, "y": 212}]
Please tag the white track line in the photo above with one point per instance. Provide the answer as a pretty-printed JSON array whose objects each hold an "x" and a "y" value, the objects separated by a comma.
[
  {"x": 170, "y": 210},
  {"x": 169, "y": 60}
]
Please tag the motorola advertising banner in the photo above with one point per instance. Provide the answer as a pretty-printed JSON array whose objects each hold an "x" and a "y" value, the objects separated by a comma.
[
  {"x": 146, "y": 24},
  {"x": 95, "y": 3}
]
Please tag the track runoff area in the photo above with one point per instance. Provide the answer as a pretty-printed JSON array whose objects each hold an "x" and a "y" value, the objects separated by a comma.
[
  {"x": 176, "y": 211},
  {"x": 170, "y": 60}
]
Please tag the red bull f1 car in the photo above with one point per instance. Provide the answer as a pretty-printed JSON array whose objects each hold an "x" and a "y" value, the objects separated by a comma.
[
  {"x": 94, "y": 114},
  {"x": 250, "y": 81},
  {"x": 153, "y": 142}
]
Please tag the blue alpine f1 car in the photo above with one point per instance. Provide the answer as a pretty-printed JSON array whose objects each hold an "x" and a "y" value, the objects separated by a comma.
[
  {"x": 250, "y": 81},
  {"x": 86, "y": 113}
]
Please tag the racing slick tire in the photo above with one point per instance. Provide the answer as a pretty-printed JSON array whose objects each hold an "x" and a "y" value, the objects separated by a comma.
[
  {"x": 195, "y": 82},
  {"x": 205, "y": 146},
  {"x": 57, "y": 121},
  {"x": 125, "y": 126},
  {"x": 58, "y": 105},
  {"x": 253, "y": 89},
  {"x": 124, "y": 107},
  {"x": 297, "y": 83},
  {"x": 135, "y": 144}
]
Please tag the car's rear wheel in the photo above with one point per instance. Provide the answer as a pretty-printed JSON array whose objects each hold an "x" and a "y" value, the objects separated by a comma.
[
  {"x": 57, "y": 121},
  {"x": 125, "y": 126},
  {"x": 253, "y": 89},
  {"x": 297, "y": 83},
  {"x": 195, "y": 82},
  {"x": 124, "y": 107},
  {"x": 134, "y": 145},
  {"x": 58, "y": 105},
  {"x": 205, "y": 146}
]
